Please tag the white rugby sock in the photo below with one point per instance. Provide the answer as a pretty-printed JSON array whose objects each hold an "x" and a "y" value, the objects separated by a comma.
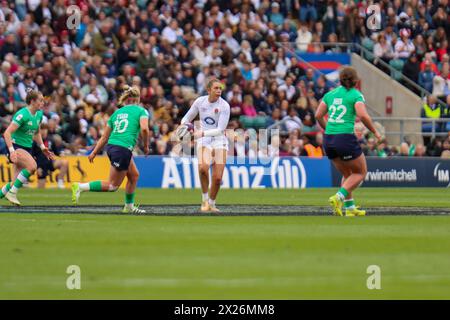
[
  {"x": 13, "y": 189},
  {"x": 129, "y": 205},
  {"x": 205, "y": 196},
  {"x": 212, "y": 202},
  {"x": 84, "y": 186}
]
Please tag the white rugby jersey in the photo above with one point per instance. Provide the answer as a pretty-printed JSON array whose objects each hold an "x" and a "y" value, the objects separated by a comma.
[{"x": 214, "y": 116}]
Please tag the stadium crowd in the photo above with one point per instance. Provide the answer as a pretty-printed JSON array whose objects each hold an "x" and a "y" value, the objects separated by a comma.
[{"x": 169, "y": 49}]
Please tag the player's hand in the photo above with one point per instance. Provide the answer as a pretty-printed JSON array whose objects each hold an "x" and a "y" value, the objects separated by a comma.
[
  {"x": 50, "y": 155},
  {"x": 146, "y": 150},
  {"x": 378, "y": 137},
  {"x": 91, "y": 157},
  {"x": 13, "y": 157},
  {"x": 198, "y": 134}
]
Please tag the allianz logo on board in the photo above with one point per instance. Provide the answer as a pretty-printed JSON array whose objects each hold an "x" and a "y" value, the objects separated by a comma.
[{"x": 279, "y": 173}]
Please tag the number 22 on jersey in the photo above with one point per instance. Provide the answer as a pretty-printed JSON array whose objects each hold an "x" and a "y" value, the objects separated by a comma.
[{"x": 337, "y": 111}]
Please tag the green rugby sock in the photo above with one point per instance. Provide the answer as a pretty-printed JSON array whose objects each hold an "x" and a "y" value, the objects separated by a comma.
[
  {"x": 5, "y": 190},
  {"x": 349, "y": 204},
  {"x": 129, "y": 198},
  {"x": 95, "y": 186},
  {"x": 342, "y": 193},
  {"x": 21, "y": 179}
]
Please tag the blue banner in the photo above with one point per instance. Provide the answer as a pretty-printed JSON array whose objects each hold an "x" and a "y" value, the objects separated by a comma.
[
  {"x": 404, "y": 172},
  {"x": 282, "y": 172},
  {"x": 324, "y": 62}
]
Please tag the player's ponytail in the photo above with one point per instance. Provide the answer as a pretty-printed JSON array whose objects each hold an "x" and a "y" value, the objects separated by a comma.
[
  {"x": 31, "y": 95},
  {"x": 129, "y": 92},
  {"x": 348, "y": 77}
]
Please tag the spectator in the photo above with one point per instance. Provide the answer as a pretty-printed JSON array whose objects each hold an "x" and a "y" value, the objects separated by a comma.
[
  {"x": 404, "y": 47},
  {"x": 383, "y": 50},
  {"x": 426, "y": 76},
  {"x": 295, "y": 71},
  {"x": 275, "y": 117},
  {"x": 105, "y": 40},
  {"x": 275, "y": 16},
  {"x": 370, "y": 150},
  {"x": 411, "y": 70},
  {"x": 248, "y": 109},
  {"x": 313, "y": 147},
  {"x": 292, "y": 121},
  {"x": 441, "y": 83},
  {"x": 172, "y": 32},
  {"x": 304, "y": 38},
  {"x": 431, "y": 110},
  {"x": 288, "y": 88},
  {"x": 146, "y": 62},
  {"x": 307, "y": 10},
  {"x": 9, "y": 45}
]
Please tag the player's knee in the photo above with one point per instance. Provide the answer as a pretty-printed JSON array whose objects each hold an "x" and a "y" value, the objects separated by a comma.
[
  {"x": 134, "y": 177},
  {"x": 65, "y": 163},
  {"x": 112, "y": 188},
  {"x": 32, "y": 168},
  {"x": 217, "y": 180},
  {"x": 204, "y": 170},
  {"x": 363, "y": 175}
]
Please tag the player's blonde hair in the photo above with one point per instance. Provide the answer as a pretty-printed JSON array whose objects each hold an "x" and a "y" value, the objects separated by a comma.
[
  {"x": 129, "y": 92},
  {"x": 211, "y": 82},
  {"x": 32, "y": 95}
]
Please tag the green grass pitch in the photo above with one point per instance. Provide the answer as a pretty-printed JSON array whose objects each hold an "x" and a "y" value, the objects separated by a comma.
[{"x": 240, "y": 257}]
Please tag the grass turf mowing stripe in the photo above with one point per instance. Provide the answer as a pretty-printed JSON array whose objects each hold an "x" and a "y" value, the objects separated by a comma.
[
  {"x": 228, "y": 258},
  {"x": 226, "y": 210}
]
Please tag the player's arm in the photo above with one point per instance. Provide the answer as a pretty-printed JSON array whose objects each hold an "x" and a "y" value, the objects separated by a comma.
[
  {"x": 7, "y": 135},
  {"x": 145, "y": 132},
  {"x": 100, "y": 143},
  {"x": 191, "y": 114},
  {"x": 361, "y": 112},
  {"x": 321, "y": 111},
  {"x": 38, "y": 139},
  {"x": 222, "y": 124}
]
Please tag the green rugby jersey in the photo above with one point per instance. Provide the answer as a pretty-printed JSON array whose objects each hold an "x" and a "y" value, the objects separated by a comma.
[
  {"x": 341, "y": 109},
  {"x": 125, "y": 125},
  {"x": 28, "y": 126}
]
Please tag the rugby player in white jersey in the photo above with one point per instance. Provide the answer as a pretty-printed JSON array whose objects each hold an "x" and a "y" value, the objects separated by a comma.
[{"x": 212, "y": 144}]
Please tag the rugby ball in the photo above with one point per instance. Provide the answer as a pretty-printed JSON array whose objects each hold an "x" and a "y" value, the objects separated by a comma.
[{"x": 183, "y": 130}]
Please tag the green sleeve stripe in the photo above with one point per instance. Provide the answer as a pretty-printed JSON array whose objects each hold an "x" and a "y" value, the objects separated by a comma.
[{"x": 18, "y": 124}]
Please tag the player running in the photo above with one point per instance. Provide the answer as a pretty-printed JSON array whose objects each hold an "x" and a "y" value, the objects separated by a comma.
[
  {"x": 343, "y": 104},
  {"x": 212, "y": 144},
  {"x": 19, "y": 137},
  {"x": 121, "y": 134}
]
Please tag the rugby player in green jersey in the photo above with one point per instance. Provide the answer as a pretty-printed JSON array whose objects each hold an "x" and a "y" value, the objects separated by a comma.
[
  {"x": 19, "y": 137},
  {"x": 343, "y": 105},
  {"x": 120, "y": 137}
]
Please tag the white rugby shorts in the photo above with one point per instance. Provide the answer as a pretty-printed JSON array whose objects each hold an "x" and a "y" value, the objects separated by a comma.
[{"x": 219, "y": 142}]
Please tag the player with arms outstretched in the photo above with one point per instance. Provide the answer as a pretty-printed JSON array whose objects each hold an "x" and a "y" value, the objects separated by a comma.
[
  {"x": 343, "y": 105},
  {"x": 120, "y": 135},
  {"x": 212, "y": 144},
  {"x": 19, "y": 137}
]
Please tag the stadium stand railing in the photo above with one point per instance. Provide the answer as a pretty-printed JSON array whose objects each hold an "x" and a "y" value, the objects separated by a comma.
[{"x": 438, "y": 128}]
